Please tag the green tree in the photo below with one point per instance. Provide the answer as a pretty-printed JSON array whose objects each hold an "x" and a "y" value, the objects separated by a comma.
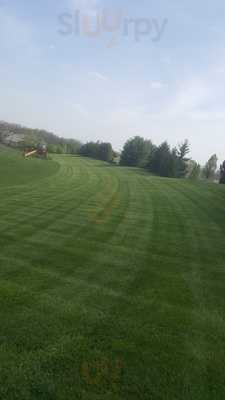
[
  {"x": 73, "y": 146},
  {"x": 209, "y": 170},
  {"x": 30, "y": 140},
  {"x": 60, "y": 149},
  {"x": 52, "y": 148},
  {"x": 136, "y": 152},
  {"x": 90, "y": 149},
  {"x": 99, "y": 151},
  {"x": 106, "y": 152},
  {"x": 181, "y": 162},
  {"x": 183, "y": 150},
  {"x": 193, "y": 170},
  {"x": 169, "y": 163},
  {"x": 162, "y": 160},
  {"x": 222, "y": 173}
]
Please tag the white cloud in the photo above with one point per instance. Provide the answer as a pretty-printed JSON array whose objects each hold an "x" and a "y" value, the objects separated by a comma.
[
  {"x": 157, "y": 85},
  {"x": 99, "y": 76}
]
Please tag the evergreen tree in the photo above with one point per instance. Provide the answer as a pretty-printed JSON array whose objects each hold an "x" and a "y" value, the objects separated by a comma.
[
  {"x": 222, "y": 173},
  {"x": 182, "y": 160},
  {"x": 183, "y": 150},
  {"x": 161, "y": 161}
]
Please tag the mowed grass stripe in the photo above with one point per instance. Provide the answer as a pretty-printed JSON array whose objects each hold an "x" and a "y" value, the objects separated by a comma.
[
  {"x": 112, "y": 286},
  {"x": 33, "y": 209}
]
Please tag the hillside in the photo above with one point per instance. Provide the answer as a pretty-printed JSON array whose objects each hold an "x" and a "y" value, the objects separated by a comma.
[
  {"x": 14, "y": 135},
  {"x": 112, "y": 283}
]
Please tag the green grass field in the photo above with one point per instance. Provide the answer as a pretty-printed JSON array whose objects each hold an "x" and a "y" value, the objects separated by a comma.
[{"x": 112, "y": 283}]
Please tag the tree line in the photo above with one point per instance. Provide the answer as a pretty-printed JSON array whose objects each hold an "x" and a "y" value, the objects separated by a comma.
[
  {"x": 162, "y": 160},
  {"x": 222, "y": 173},
  {"x": 169, "y": 162},
  {"x": 98, "y": 150}
]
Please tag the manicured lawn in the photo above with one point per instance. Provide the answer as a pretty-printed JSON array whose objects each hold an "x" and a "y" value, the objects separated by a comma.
[
  {"x": 112, "y": 283},
  {"x": 15, "y": 170}
]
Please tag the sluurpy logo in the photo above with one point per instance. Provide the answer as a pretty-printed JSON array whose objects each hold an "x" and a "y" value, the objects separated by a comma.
[{"x": 114, "y": 23}]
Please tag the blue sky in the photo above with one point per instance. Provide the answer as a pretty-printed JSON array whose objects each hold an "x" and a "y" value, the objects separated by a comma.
[{"x": 111, "y": 87}]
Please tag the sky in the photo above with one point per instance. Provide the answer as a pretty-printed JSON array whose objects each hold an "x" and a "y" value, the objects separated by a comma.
[{"x": 109, "y": 70}]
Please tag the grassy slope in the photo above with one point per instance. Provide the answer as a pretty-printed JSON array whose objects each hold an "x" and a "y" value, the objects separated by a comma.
[
  {"x": 14, "y": 170},
  {"x": 112, "y": 286}
]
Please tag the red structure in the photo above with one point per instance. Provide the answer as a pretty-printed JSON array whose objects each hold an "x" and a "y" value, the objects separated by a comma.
[{"x": 41, "y": 152}]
